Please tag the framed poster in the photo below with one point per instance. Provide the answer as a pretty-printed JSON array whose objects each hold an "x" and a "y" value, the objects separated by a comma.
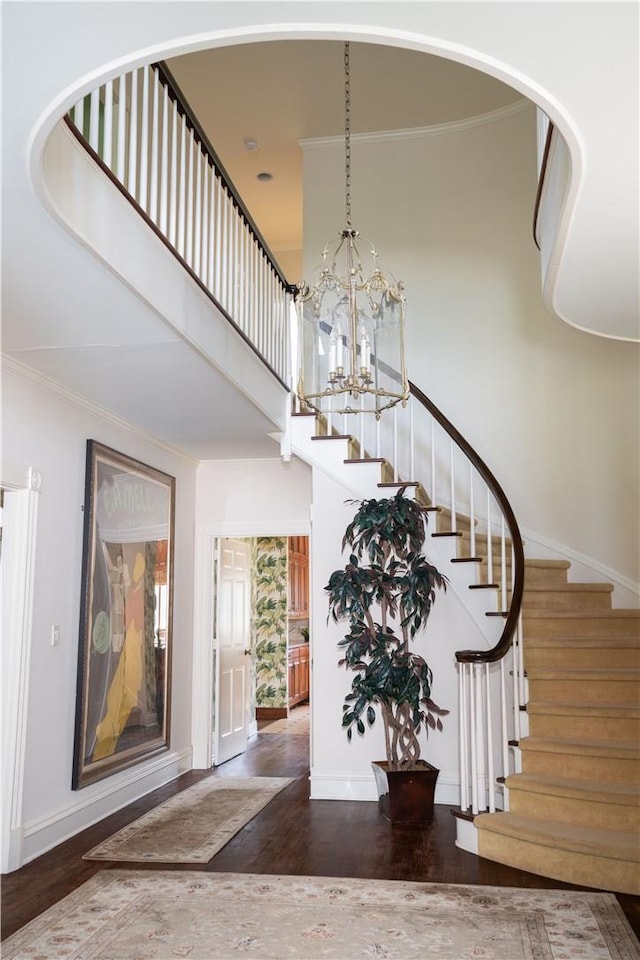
[{"x": 124, "y": 655}]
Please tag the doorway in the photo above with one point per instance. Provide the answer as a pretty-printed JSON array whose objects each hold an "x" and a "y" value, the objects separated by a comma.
[{"x": 261, "y": 656}]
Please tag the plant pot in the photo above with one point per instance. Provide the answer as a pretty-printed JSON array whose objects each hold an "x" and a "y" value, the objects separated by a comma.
[{"x": 406, "y": 796}]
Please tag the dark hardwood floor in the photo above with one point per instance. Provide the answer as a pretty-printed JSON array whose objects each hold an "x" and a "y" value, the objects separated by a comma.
[{"x": 292, "y": 835}]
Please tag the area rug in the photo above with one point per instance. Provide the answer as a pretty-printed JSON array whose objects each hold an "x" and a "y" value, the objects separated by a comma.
[
  {"x": 157, "y": 915},
  {"x": 296, "y": 723},
  {"x": 192, "y": 826}
]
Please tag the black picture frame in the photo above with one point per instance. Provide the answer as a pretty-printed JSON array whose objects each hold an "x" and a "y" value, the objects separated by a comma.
[{"x": 123, "y": 694}]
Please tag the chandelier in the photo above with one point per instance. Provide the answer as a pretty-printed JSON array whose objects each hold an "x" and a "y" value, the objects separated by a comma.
[{"x": 351, "y": 319}]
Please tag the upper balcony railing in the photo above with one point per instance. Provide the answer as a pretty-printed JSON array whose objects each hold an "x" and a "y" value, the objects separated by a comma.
[{"x": 140, "y": 129}]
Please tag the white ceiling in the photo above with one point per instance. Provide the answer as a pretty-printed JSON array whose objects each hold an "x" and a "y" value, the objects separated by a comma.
[{"x": 282, "y": 92}]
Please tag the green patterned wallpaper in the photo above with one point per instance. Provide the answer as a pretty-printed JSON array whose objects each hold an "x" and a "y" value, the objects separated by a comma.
[{"x": 270, "y": 624}]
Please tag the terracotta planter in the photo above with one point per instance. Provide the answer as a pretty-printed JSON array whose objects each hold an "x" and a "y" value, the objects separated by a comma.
[{"x": 406, "y": 796}]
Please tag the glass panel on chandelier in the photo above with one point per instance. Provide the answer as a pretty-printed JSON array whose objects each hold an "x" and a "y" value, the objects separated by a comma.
[{"x": 352, "y": 332}]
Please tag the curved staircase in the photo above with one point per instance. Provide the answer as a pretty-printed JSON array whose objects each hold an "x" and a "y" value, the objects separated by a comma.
[
  {"x": 574, "y": 810},
  {"x": 574, "y": 804}
]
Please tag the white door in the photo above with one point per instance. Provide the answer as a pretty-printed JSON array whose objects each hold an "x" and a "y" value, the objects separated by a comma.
[{"x": 233, "y": 625}]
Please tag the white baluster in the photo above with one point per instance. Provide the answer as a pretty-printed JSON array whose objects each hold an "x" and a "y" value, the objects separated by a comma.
[
  {"x": 515, "y": 684},
  {"x": 182, "y": 188},
  {"x": 224, "y": 253},
  {"x": 94, "y": 120},
  {"x": 503, "y": 567},
  {"x": 522, "y": 698},
  {"x": 378, "y": 437},
  {"x": 345, "y": 428},
  {"x": 133, "y": 135},
  {"x": 452, "y": 474},
  {"x": 155, "y": 150},
  {"x": 395, "y": 444},
  {"x": 173, "y": 183},
  {"x": 412, "y": 440},
  {"x": 122, "y": 115},
  {"x": 164, "y": 164},
  {"x": 107, "y": 147},
  {"x": 144, "y": 141},
  {"x": 219, "y": 218},
  {"x": 434, "y": 500},
  {"x": 463, "y": 735},
  {"x": 197, "y": 214},
  {"x": 204, "y": 223},
  {"x": 473, "y": 740},
  {"x": 253, "y": 282},
  {"x": 362, "y": 424},
  {"x": 211, "y": 227},
  {"x": 489, "y": 541},
  {"x": 472, "y": 513},
  {"x": 78, "y": 115},
  {"x": 504, "y": 730},
  {"x": 190, "y": 198},
  {"x": 489, "y": 726}
]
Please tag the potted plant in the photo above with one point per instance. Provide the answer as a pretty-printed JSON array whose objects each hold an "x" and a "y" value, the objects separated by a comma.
[{"x": 387, "y": 600}]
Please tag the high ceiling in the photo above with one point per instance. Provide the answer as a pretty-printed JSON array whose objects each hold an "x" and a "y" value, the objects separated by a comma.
[{"x": 281, "y": 92}]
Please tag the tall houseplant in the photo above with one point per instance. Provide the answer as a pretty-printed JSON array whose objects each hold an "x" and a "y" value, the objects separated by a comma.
[{"x": 387, "y": 600}]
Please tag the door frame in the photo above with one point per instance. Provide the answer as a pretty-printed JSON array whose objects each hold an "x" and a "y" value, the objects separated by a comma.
[
  {"x": 204, "y": 620},
  {"x": 22, "y": 492}
]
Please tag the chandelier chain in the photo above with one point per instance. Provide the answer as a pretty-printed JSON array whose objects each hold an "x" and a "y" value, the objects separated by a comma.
[{"x": 347, "y": 134}]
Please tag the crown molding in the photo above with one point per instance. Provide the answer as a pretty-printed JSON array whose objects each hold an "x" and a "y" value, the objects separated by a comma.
[
  {"x": 422, "y": 133},
  {"x": 30, "y": 375}
]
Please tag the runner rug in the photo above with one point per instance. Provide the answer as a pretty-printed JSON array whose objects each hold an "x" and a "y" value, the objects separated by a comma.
[
  {"x": 161, "y": 915},
  {"x": 192, "y": 826}
]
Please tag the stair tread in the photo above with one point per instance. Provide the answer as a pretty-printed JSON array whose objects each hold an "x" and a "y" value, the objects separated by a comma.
[
  {"x": 568, "y": 588},
  {"x": 626, "y": 749},
  {"x": 617, "y": 613},
  {"x": 595, "y": 642},
  {"x": 583, "y": 673},
  {"x": 584, "y": 709},
  {"x": 615, "y": 792},
  {"x": 615, "y": 844}
]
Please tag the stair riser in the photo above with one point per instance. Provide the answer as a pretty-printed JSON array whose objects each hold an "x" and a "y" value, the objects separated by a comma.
[
  {"x": 596, "y": 626},
  {"x": 584, "y": 691},
  {"x": 584, "y": 869},
  {"x": 591, "y": 728},
  {"x": 607, "y": 655},
  {"x": 544, "y": 577},
  {"x": 574, "y": 810},
  {"x": 578, "y": 767},
  {"x": 565, "y": 600}
]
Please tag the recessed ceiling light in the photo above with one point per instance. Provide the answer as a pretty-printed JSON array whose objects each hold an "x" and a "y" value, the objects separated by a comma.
[
  {"x": 251, "y": 144},
  {"x": 264, "y": 177}
]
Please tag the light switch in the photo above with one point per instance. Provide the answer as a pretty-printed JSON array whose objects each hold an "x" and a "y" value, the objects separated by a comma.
[{"x": 55, "y": 635}]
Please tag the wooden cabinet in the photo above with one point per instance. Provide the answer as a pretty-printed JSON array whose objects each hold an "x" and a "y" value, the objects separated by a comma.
[
  {"x": 298, "y": 674},
  {"x": 298, "y": 585}
]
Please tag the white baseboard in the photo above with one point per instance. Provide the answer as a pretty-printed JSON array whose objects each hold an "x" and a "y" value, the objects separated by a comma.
[
  {"x": 332, "y": 786},
  {"x": 104, "y": 798}
]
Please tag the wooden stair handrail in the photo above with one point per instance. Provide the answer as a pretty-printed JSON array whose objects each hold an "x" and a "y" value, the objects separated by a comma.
[{"x": 511, "y": 622}]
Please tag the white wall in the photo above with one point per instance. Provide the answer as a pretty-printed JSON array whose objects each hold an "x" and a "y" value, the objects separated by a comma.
[
  {"x": 553, "y": 411},
  {"x": 46, "y": 429},
  {"x": 341, "y": 769}
]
